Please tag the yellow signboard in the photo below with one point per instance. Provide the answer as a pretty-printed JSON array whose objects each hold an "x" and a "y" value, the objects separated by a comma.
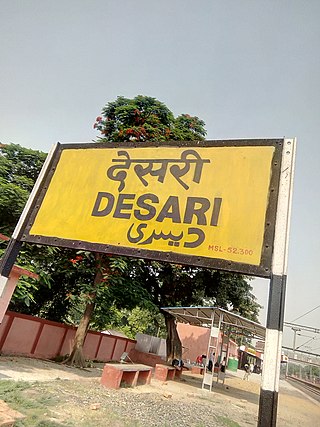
[{"x": 202, "y": 201}]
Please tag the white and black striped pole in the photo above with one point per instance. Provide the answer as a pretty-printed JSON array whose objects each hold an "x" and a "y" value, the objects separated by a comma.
[
  {"x": 272, "y": 353},
  {"x": 14, "y": 245}
]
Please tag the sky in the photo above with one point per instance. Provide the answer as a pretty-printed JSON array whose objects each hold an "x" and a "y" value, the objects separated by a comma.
[{"x": 248, "y": 68}]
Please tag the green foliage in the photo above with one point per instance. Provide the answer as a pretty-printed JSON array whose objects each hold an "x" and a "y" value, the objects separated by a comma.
[
  {"x": 57, "y": 280},
  {"x": 12, "y": 201},
  {"x": 315, "y": 371},
  {"x": 121, "y": 290},
  {"x": 230, "y": 291},
  {"x": 24, "y": 292},
  {"x": 70, "y": 280},
  {"x": 178, "y": 285},
  {"x": 19, "y": 168},
  {"x": 21, "y": 165},
  {"x": 138, "y": 320},
  {"x": 188, "y": 128},
  {"x": 144, "y": 118},
  {"x": 304, "y": 371}
]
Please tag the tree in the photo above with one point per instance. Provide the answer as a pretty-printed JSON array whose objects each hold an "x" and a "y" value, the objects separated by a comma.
[
  {"x": 138, "y": 320},
  {"x": 113, "y": 286},
  {"x": 19, "y": 169},
  {"x": 145, "y": 119}
]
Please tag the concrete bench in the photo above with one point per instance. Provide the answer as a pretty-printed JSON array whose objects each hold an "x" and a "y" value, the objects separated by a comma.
[
  {"x": 167, "y": 372},
  {"x": 115, "y": 375},
  {"x": 197, "y": 370},
  {"x": 164, "y": 372},
  {"x": 179, "y": 370}
]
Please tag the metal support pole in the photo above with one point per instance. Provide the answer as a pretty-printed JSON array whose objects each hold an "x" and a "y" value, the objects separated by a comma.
[
  {"x": 268, "y": 403},
  {"x": 228, "y": 345},
  {"x": 295, "y": 330}
]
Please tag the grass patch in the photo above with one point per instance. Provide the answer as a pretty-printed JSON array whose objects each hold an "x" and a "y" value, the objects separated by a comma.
[
  {"x": 59, "y": 404},
  {"x": 226, "y": 422},
  {"x": 24, "y": 398}
]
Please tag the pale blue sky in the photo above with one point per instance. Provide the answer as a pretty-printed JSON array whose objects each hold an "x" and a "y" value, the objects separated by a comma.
[{"x": 247, "y": 68}]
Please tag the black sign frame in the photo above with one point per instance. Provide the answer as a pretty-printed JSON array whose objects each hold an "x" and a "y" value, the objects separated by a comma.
[{"x": 262, "y": 270}]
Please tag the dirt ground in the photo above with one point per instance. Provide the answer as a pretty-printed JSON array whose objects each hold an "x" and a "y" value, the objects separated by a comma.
[{"x": 77, "y": 399}]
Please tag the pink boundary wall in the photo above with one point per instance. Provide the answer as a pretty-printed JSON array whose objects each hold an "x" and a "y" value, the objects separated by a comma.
[
  {"x": 149, "y": 359},
  {"x": 30, "y": 336}
]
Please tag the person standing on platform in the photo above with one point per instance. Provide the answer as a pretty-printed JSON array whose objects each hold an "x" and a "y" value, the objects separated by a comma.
[
  {"x": 223, "y": 366},
  {"x": 210, "y": 362},
  {"x": 247, "y": 372}
]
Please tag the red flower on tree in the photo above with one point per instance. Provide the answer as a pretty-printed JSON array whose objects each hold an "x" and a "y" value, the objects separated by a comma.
[{"x": 77, "y": 258}]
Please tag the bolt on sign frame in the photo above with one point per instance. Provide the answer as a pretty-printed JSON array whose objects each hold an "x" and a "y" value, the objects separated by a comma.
[{"x": 219, "y": 204}]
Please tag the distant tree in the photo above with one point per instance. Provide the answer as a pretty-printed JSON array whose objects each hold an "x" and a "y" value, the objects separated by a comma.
[
  {"x": 145, "y": 119},
  {"x": 188, "y": 128}
]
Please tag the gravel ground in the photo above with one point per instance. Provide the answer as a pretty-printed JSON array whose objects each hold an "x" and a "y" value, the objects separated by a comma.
[
  {"x": 157, "y": 405},
  {"x": 80, "y": 400}
]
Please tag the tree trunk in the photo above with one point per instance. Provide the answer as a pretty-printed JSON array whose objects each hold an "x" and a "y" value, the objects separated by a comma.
[
  {"x": 174, "y": 347},
  {"x": 76, "y": 357}
]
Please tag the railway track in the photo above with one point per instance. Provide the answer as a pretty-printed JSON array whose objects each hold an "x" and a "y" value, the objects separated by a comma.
[{"x": 312, "y": 390}]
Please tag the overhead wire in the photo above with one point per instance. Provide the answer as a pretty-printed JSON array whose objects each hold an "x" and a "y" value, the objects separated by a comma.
[
  {"x": 310, "y": 311},
  {"x": 302, "y": 345}
]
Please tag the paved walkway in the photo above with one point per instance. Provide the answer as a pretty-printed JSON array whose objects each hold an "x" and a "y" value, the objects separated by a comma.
[{"x": 295, "y": 408}]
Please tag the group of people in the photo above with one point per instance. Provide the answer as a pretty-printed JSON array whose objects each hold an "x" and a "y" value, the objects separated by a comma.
[{"x": 201, "y": 360}]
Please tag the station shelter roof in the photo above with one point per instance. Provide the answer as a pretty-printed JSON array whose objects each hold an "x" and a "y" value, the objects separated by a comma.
[{"x": 207, "y": 316}]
